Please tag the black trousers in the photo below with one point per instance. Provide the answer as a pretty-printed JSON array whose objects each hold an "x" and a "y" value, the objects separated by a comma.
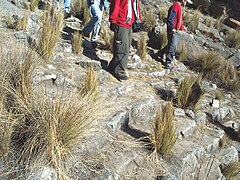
[{"x": 121, "y": 48}]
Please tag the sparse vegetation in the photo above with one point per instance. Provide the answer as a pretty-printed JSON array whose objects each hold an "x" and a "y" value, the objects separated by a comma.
[
  {"x": 107, "y": 37},
  {"x": 22, "y": 23},
  {"x": 232, "y": 171},
  {"x": 52, "y": 23},
  {"x": 233, "y": 39},
  {"x": 33, "y": 5},
  {"x": 223, "y": 141},
  {"x": 218, "y": 95},
  {"x": 163, "y": 137},
  {"x": 192, "y": 20},
  {"x": 91, "y": 83},
  {"x": 149, "y": 19},
  {"x": 189, "y": 92},
  {"x": 216, "y": 69},
  {"x": 77, "y": 8},
  {"x": 209, "y": 21},
  {"x": 15, "y": 78},
  {"x": 162, "y": 13},
  {"x": 86, "y": 15},
  {"x": 219, "y": 22},
  {"x": 182, "y": 52},
  {"x": 142, "y": 46},
  {"x": 163, "y": 39},
  {"x": 41, "y": 130},
  {"x": 76, "y": 42}
]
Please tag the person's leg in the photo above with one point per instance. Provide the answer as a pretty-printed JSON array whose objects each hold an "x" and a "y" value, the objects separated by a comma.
[
  {"x": 171, "y": 48},
  {"x": 90, "y": 25},
  {"x": 67, "y": 6},
  {"x": 97, "y": 12},
  {"x": 121, "y": 47}
]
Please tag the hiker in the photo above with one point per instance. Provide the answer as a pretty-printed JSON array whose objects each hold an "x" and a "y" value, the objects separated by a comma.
[
  {"x": 67, "y": 10},
  {"x": 96, "y": 8},
  {"x": 123, "y": 13},
  {"x": 174, "y": 25}
]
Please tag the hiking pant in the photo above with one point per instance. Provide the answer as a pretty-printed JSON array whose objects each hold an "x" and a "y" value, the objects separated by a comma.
[
  {"x": 66, "y": 5},
  {"x": 121, "y": 48},
  {"x": 96, "y": 11},
  {"x": 170, "y": 49}
]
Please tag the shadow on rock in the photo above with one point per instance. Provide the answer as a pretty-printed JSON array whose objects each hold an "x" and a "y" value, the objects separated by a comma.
[
  {"x": 67, "y": 33},
  {"x": 231, "y": 133},
  {"x": 140, "y": 135}
]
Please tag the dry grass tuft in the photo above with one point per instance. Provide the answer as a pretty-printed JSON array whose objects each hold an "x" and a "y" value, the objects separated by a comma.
[
  {"x": 232, "y": 171},
  {"x": 17, "y": 65},
  {"x": 107, "y": 37},
  {"x": 163, "y": 13},
  {"x": 233, "y": 39},
  {"x": 182, "y": 52},
  {"x": 209, "y": 21},
  {"x": 192, "y": 20},
  {"x": 77, "y": 8},
  {"x": 163, "y": 39},
  {"x": 51, "y": 127},
  {"x": 76, "y": 43},
  {"x": 163, "y": 137},
  {"x": 91, "y": 83},
  {"x": 18, "y": 24},
  {"x": 142, "y": 46},
  {"x": 218, "y": 95},
  {"x": 219, "y": 22},
  {"x": 189, "y": 92},
  {"x": 149, "y": 19},
  {"x": 33, "y": 5},
  {"x": 86, "y": 15},
  {"x": 218, "y": 70},
  {"x": 52, "y": 23},
  {"x": 22, "y": 23},
  {"x": 41, "y": 130}
]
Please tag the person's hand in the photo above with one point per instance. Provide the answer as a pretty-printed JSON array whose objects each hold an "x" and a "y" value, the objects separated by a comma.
[
  {"x": 184, "y": 28},
  {"x": 174, "y": 30},
  {"x": 113, "y": 27}
]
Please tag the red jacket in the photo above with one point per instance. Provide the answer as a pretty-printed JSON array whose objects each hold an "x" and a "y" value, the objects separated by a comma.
[
  {"x": 175, "y": 20},
  {"x": 119, "y": 11}
]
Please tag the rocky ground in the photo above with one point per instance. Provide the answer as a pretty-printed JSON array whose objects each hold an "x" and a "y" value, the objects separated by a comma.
[{"x": 112, "y": 150}]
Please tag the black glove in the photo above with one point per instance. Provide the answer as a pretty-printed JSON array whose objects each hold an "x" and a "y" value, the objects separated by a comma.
[{"x": 113, "y": 27}]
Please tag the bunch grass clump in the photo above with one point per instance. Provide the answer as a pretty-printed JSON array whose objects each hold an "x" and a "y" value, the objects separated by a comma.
[
  {"x": 189, "y": 92},
  {"x": 86, "y": 15},
  {"x": 107, "y": 37},
  {"x": 149, "y": 19},
  {"x": 142, "y": 46},
  {"x": 52, "y": 23},
  {"x": 77, "y": 8},
  {"x": 22, "y": 23},
  {"x": 209, "y": 21},
  {"x": 91, "y": 83},
  {"x": 233, "y": 39},
  {"x": 33, "y": 5},
  {"x": 192, "y": 20},
  {"x": 219, "y": 22},
  {"x": 41, "y": 130},
  {"x": 163, "y": 137},
  {"x": 17, "y": 64},
  {"x": 76, "y": 43},
  {"x": 163, "y": 14},
  {"x": 163, "y": 39},
  {"x": 182, "y": 52},
  {"x": 218, "y": 70},
  {"x": 232, "y": 171}
]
